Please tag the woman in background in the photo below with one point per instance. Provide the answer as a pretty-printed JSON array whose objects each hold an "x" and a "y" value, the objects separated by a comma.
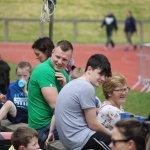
[{"x": 43, "y": 48}]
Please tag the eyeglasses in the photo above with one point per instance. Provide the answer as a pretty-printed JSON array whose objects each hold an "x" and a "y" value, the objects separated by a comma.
[
  {"x": 122, "y": 90},
  {"x": 115, "y": 141}
]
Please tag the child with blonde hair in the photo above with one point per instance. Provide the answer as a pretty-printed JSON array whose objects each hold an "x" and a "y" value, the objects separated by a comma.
[
  {"x": 16, "y": 105},
  {"x": 77, "y": 72}
]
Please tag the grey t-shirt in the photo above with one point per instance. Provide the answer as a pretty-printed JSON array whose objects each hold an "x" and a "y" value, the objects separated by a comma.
[{"x": 71, "y": 124}]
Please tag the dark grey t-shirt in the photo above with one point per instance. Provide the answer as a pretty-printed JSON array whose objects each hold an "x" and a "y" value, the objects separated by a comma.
[{"x": 72, "y": 127}]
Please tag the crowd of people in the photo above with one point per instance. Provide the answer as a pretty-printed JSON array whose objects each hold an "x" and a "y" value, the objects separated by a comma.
[{"x": 62, "y": 105}]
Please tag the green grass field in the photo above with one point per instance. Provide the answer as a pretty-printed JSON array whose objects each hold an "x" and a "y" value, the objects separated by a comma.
[{"x": 85, "y": 9}]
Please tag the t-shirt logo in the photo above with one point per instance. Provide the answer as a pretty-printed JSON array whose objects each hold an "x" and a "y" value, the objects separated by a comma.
[
  {"x": 20, "y": 99},
  {"x": 109, "y": 20}
]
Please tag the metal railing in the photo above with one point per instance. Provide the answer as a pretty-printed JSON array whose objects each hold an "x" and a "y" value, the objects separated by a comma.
[{"x": 75, "y": 26}]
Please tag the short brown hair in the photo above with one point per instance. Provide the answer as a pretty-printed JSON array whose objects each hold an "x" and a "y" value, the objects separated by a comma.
[
  {"x": 117, "y": 80},
  {"x": 24, "y": 64},
  {"x": 23, "y": 136},
  {"x": 65, "y": 45}
]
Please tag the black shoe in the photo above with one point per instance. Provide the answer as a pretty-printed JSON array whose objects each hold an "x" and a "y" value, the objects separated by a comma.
[{"x": 135, "y": 47}]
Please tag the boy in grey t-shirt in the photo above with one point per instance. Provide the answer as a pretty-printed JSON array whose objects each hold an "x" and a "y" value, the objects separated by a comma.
[{"x": 76, "y": 121}]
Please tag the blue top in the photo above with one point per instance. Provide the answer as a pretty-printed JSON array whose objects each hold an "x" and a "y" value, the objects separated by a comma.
[
  {"x": 130, "y": 25},
  {"x": 16, "y": 95}
]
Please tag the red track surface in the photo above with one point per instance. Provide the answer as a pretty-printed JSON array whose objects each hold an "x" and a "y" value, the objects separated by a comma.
[{"x": 123, "y": 62}]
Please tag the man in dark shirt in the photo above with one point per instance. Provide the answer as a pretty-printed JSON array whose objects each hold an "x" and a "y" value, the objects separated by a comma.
[
  {"x": 130, "y": 28},
  {"x": 110, "y": 23}
]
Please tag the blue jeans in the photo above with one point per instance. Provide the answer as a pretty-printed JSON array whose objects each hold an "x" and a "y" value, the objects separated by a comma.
[{"x": 43, "y": 134}]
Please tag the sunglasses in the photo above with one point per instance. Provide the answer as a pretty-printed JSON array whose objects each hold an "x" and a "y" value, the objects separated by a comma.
[{"x": 115, "y": 141}]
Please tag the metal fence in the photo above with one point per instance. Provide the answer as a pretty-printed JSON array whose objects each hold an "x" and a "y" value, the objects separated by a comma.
[
  {"x": 75, "y": 24},
  {"x": 144, "y": 68}
]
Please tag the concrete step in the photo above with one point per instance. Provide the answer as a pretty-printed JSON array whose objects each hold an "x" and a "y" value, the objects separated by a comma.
[{"x": 7, "y": 126}]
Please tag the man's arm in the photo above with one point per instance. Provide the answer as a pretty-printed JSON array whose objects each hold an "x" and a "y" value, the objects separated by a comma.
[
  {"x": 50, "y": 94},
  {"x": 93, "y": 123}
]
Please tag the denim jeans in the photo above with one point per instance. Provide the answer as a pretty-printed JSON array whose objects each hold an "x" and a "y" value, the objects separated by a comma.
[{"x": 43, "y": 134}]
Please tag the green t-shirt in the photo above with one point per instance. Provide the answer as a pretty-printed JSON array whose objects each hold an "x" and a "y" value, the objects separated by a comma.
[{"x": 40, "y": 113}]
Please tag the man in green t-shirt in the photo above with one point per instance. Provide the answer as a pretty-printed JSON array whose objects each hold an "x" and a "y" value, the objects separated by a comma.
[{"x": 45, "y": 83}]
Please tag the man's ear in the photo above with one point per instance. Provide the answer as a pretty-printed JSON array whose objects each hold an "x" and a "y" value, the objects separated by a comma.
[
  {"x": 21, "y": 147},
  {"x": 131, "y": 144},
  {"x": 89, "y": 69}
]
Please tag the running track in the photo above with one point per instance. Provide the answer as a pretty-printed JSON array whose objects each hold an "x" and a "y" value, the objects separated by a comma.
[{"x": 121, "y": 61}]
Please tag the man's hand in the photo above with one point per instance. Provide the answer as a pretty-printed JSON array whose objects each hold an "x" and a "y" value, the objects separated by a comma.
[
  {"x": 50, "y": 138},
  {"x": 61, "y": 78},
  {"x": 2, "y": 98}
]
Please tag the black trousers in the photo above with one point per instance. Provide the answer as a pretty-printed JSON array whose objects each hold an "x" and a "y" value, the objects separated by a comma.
[
  {"x": 98, "y": 141},
  {"x": 109, "y": 38}
]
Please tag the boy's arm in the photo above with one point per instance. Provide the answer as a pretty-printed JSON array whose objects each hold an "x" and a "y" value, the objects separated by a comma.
[
  {"x": 53, "y": 124},
  {"x": 51, "y": 130},
  {"x": 93, "y": 123}
]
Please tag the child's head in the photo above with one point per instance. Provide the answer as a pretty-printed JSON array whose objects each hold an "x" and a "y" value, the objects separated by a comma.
[
  {"x": 77, "y": 72},
  {"x": 25, "y": 138},
  {"x": 23, "y": 70}
]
